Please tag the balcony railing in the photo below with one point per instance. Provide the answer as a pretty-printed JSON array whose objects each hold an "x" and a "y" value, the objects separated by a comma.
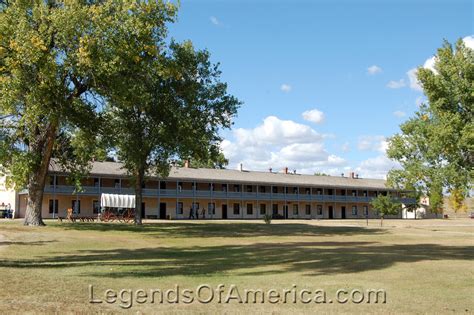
[{"x": 223, "y": 195}]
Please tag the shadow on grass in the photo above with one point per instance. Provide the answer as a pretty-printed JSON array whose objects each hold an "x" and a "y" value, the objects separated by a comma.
[
  {"x": 34, "y": 243},
  {"x": 232, "y": 230},
  {"x": 311, "y": 258}
]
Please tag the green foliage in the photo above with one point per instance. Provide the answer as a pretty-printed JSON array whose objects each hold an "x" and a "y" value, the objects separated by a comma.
[
  {"x": 215, "y": 160},
  {"x": 385, "y": 205},
  {"x": 457, "y": 201},
  {"x": 173, "y": 107},
  {"x": 267, "y": 218},
  {"x": 60, "y": 64},
  {"x": 436, "y": 146}
]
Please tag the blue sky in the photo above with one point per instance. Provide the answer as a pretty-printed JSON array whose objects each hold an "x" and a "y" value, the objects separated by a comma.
[{"x": 283, "y": 58}]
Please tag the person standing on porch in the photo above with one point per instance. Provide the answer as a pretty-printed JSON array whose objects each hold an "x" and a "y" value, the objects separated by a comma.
[{"x": 191, "y": 213}]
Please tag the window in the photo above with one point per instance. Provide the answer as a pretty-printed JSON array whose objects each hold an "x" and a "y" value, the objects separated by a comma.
[
  {"x": 237, "y": 188},
  {"x": 53, "y": 206},
  {"x": 95, "y": 206},
  {"x": 96, "y": 182},
  {"x": 275, "y": 209},
  {"x": 163, "y": 185},
  {"x": 76, "y": 206},
  {"x": 263, "y": 189},
  {"x": 224, "y": 187},
  {"x": 211, "y": 208},
  {"x": 308, "y": 191},
  {"x": 319, "y": 191},
  {"x": 263, "y": 209},
  {"x": 275, "y": 189},
  {"x": 117, "y": 183},
  {"x": 249, "y": 188},
  {"x": 354, "y": 210},
  {"x": 295, "y": 190},
  {"x": 330, "y": 192},
  {"x": 343, "y": 192},
  {"x": 365, "y": 193},
  {"x": 180, "y": 186},
  {"x": 249, "y": 208},
  {"x": 354, "y": 193},
  {"x": 308, "y": 210},
  {"x": 236, "y": 208},
  {"x": 53, "y": 181},
  {"x": 295, "y": 209},
  {"x": 366, "y": 210},
  {"x": 180, "y": 208},
  {"x": 286, "y": 190},
  {"x": 319, "y": 209}
]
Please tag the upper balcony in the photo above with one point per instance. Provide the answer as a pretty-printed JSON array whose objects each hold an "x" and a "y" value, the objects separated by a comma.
[{"x": 218, "y": 195}]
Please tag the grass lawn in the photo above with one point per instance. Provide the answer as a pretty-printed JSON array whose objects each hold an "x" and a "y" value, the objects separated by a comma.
[{"x": 424, "y": 266}]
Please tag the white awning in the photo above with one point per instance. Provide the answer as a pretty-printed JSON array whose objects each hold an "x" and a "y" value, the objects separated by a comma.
[{"x": 117, "y": 201}]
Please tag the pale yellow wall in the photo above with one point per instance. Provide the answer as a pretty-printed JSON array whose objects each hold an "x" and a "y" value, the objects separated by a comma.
[{"x": 8, "y": 196}]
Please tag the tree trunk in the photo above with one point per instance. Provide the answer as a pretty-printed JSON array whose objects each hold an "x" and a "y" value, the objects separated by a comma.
[
  {"x": 139, "y": 180},
  {"x": 43, "y": 147}
]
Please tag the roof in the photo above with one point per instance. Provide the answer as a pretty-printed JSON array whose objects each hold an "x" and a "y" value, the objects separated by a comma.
[{"x": 116, "y": 169}]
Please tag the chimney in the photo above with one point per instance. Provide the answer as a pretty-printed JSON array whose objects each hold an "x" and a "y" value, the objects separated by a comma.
[
  {"x": 285, "y": 170},
  {"x": 241, "y": 167},
  {"x": 186, "y": 164},
  {"x": 352, "y": 175}
]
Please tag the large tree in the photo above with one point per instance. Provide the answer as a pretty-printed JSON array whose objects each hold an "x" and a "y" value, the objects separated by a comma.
[
  {"x": 436, "y": 147},
  {"x": 173, "y": 109},
  {"x": 59, "y": 62}
]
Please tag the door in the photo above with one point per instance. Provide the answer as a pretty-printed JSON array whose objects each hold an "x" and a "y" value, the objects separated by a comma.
[
  {"x": 330, "y": 212},
  {"x": 143, "y": 210},
  {"x": 285, "y": 211},
  {"x": 343, "y": 212},
  {"x": 163, "y": 211},
  {"x": 224, "y": 211}
]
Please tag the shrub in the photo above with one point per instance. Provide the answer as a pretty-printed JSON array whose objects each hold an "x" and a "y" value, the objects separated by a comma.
[{"x": 267, "y": 218}]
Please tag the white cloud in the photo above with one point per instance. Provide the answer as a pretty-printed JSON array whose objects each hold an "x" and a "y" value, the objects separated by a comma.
[
  {"x": 346, "y": 147},
  {"x": 372, "y": 70},
  {"x": 214, "y": 20},
  {"x": 313, "y": 115},
  {"x": 399, "y": 113},
  {"x": 396, "y": 84},
  {"x": 276, "y": 131},
  {"x": 372, "y": 143},
  {"x": 469, "y": 41},
  {"x": 377, "y": 167},
  {"x": 285, "y": 88},
  {"x": 414, "y": 83},
  {"x": 280, "y": 143},
  {"x": 276, "y": 143}
]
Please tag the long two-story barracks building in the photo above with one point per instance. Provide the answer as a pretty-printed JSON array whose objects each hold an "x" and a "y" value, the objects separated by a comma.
[{"x": 221, "y": 193}]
